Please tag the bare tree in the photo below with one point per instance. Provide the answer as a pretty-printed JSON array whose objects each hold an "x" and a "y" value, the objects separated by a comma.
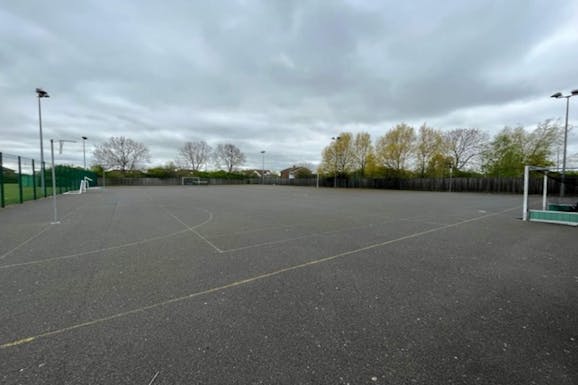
[
  {"x": 465, "y": 145},
  {"x": 121, "y": 153},
  {"x": 196, "y": 154},
  {"x": 229, "y": 155}
]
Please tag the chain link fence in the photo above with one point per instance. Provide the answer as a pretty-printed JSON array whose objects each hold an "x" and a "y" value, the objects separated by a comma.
[{"x": 21, "y": 179}]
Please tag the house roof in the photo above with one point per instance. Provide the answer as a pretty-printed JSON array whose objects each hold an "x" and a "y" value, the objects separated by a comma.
[{"x": 294, "y": 168}]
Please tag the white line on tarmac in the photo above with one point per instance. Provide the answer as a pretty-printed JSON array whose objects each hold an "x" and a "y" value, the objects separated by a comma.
[
  {"x": 136, "y": 243},
  {"x": 43, "y": 230},
  {"x": 192, "y": 230}
]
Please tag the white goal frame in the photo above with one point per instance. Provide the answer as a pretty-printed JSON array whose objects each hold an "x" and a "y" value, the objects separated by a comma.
[
  {"x": 191, "y": 181},
  {"x": 546, "y": 214}
]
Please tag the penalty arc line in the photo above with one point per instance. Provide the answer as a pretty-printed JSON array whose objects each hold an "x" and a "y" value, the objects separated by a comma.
[{"x": 242, "y": 282}]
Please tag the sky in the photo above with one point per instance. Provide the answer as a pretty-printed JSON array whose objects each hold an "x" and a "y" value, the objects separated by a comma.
[{"x": 281, "y": 76}]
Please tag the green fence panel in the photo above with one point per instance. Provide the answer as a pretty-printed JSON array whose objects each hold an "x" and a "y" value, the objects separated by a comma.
[
  {"x": 2, "y": 204},
  {"x": 20, "y": 192},
  {"x": 21, "y": 180},
  {"x": 34, "y": 181}
]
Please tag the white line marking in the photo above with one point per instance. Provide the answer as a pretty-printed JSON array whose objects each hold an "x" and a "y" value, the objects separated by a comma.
[
  {"x": 192, "y": 230},
  {"x": 154, "y": 378},
  {"x": 242, "y": 282},
  {"x": 43, "y": 230},
  {"x": 142, "y": 241},
  {"x": 311, "y": 235}
]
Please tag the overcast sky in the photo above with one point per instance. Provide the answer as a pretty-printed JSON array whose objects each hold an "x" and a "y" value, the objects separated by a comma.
[{"x": 281, "y": 76}]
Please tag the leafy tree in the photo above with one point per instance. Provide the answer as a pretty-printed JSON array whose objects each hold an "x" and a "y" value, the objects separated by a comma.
[
  {"x": 429, "y": 149},
  {"x": 304, "y": 172},
  {"x": 394, "y": 149},
  {"x": 372, "y": 167},
  {"x": 169, "y": 170},
  {"x": 195, "y": 154},
  {"x": 438, "y": 165},
  {"x": 338, "y": 157},
  {"x": 121, "y": 153},
  {"x": 513, "y": 148},
  {"x": 362, "y": 151},
  {"x": 465, "y": 146},
  {"x": 229, "y": 155}
]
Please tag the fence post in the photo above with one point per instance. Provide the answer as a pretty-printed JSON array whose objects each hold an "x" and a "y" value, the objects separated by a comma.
[
  {"x": 2, "y": 203},
  {"x": 20, "y": 192},
  {"x": 43, "y": 171},
  {"x": 33, "y": 180}
]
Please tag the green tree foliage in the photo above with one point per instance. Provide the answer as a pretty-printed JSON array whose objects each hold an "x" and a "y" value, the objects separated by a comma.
[
  {"x": 438, "y": 165},
  {"x": 513, "y": 148},
  {"x": 338, "y": 157},
  {"x": 394, "y": 149},
  {"x": 170, "y": 170},
  {"x": 430, "y": 148},
  {"x": 362, "y": 152}
]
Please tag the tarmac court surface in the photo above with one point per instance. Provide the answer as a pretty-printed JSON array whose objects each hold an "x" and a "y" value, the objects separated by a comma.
[{"x": 259, "y": 284}]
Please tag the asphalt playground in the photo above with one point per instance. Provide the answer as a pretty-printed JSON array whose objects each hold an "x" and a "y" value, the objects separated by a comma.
[{"x": 285, "y": 285}]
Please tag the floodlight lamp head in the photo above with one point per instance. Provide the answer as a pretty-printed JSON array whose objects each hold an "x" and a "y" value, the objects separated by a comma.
[
  {"x": 41, "y": 93},
  {"x": 557, "y": 95},
  {"x": 84, "y": 137},
  {"x": 574, "y": 92}
]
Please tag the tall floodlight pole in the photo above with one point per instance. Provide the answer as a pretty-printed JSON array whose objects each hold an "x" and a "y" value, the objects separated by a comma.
[
  {"x": 84, "y": 150},
  {"x": 559, "y": 95},
  {"x": 336, "y": 139},
  {"x": 263, "y": 168},
  {"x": 41, "y": 94}
]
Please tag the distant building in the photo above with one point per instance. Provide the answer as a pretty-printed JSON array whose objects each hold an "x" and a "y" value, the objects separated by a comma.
[{"x": 296, "y": 172}]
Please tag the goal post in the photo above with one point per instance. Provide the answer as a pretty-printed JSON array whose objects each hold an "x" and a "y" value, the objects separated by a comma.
[
  {"x": 193, "y": 181},
  {"x": 559, "y": 195}
]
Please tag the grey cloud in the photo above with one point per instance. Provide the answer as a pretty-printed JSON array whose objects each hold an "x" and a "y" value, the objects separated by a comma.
[{"x": 284, "y": 75}]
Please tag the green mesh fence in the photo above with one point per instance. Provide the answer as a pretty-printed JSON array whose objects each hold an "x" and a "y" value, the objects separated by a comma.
[{"x": 21, "y": 179}]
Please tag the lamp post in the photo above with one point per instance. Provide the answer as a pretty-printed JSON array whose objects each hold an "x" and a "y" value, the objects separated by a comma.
[
  {"x": 336, "y": 139},
  {"x": 41, "y": 94},
  {"x": 84, "y": 150},
  {"x": 559, "y": 95},
  {"x": 263, "y": 168}
]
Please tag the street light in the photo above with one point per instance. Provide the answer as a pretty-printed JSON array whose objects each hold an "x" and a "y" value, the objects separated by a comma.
[
  {"x": 84, "y": 150},
  {"x": 335, "y": 138},
  {"x": 41, "y": 94},
  {"x": 559, "y": 95},
  {"x": 263, "y": 168}
]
